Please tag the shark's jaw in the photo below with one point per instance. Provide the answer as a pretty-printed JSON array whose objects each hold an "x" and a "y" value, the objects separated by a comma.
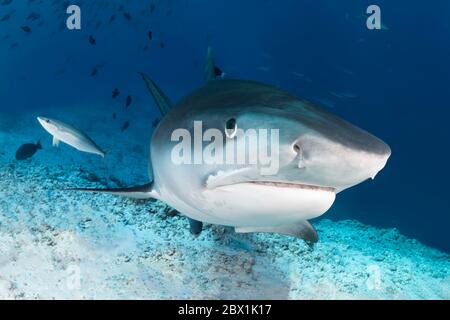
[
  {"x": 266, "y": 203},
  {"x": 247, "y": 176},
  {"x": 291, "y": 185},
  {"x": 239, "y": 198}
]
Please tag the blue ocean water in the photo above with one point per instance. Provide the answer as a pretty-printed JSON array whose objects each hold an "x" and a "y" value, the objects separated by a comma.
[{"x": 391, "y": 82}]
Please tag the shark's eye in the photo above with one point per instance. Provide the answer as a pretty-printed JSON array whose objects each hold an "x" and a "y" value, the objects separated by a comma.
[
  {"x": 48, "y": 121},
  {"x": 297, "y": 148},
  {"x": 231, "y": 128}
]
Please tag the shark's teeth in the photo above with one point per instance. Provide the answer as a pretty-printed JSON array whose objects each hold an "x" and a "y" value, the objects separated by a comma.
[
  {"x": 293, "y": 185},
  {"x": 223, "y": 178}
]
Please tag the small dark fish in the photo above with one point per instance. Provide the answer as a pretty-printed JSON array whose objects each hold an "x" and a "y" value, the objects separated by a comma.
[
  {"x": 152, "y": 8},
  {"x": 218, "y": 73},
  {"x": 5, "y": 2},
  {"x": 150, "y": 35},
  {"x": 5, "y": 17},
  {"x": 14, "y": 45},
  {"x": 162, "y": 45},
  {"x": 114, "y": 116},
  {"x": 128, "y": 101},
  {"x": 33, "y": 16},
  {"x": 113, "y": 17},
  {"x": 127, "y": 16},
  {"x": 92, "y": 40},
  {"x": 94, "y": 72},
  {"x": 27, "y": 150},
  {"x": 155, "y": 123},
  {"x": 115, "y": 93},
  {"x": 26, "y": 29},
  {"x": 125, "y": 126}
]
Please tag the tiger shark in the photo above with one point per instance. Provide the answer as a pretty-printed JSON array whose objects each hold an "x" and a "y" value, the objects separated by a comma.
[{"x": 319, "y": 155}]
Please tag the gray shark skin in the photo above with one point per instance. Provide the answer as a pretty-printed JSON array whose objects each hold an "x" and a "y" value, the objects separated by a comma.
[
  {"x": 335, "y": 155},
  {"x": 70, "y": 135}
]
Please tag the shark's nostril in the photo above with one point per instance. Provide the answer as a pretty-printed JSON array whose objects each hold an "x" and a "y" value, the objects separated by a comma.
[{"x": 297, "y": 149}]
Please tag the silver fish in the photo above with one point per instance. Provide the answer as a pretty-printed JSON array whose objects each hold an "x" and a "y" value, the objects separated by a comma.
[{"x": 72, "y": 136}]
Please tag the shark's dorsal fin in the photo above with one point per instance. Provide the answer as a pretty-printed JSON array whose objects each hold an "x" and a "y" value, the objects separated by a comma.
[
  {"x": 209, "y": 66},
  {"x": 145, "y": 191},
  {"x": 303, "y": 230},
  {"x": 162, "y": 101}
]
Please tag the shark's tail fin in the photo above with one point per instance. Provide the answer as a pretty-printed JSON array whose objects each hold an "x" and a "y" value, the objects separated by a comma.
[{"x": 145, "y": 191}]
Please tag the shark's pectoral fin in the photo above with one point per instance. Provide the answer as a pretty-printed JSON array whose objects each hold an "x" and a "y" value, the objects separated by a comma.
[
  {"x": 145, "y": 191},
  {"x": 303, "y": 230},
  {"x": 162, "y": 101},
  {"x": 195, "y": 226},
  {"x": 55, "y": 141}
]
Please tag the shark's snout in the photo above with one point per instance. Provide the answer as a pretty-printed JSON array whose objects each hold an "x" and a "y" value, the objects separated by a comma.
[
  {"x": 371, "y": 157},
  {"x": 340, "y": 158},
  {"x": 42, "y": 120},
  {"x": 359, "y": 165},
  {"x": 47, "y": 124},
  {"x": 380, "y": 158}
]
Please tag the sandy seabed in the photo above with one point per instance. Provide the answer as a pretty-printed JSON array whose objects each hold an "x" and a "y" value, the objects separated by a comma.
[{"x": 58, "y": 244}]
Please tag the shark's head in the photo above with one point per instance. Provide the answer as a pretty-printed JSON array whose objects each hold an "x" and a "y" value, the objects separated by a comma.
[
  {"x": 244, "y": 153},
  {"x": 52, "y": 126}
]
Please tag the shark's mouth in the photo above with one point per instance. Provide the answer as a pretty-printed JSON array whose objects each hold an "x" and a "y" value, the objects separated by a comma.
[
  {"x": 239, "y": 177},
  {"x": 291, "y": 185}
]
